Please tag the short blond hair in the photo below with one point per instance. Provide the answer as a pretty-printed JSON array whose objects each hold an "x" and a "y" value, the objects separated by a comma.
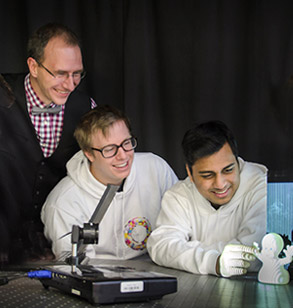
[{"x": 100, "y": 118}]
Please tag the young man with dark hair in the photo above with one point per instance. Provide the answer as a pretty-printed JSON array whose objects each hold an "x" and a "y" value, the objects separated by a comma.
[{"x": 209, "y": 221}]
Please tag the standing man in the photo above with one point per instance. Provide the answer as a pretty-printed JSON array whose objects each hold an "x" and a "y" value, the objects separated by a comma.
[
  {"x": 36, "y": 139},
  {"x": 107, "y": 157},
  {"x": 209, "y": 220}
]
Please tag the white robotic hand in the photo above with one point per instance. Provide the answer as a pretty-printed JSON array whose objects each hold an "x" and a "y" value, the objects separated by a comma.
[{"x": 235, "y": 259}]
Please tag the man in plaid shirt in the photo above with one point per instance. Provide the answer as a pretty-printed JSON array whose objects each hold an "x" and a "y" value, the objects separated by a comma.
[{"x": 36, "y": 137}]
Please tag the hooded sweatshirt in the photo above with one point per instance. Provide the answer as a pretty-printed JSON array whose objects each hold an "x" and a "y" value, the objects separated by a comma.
[
  {"x": 130, "y": 218},
  {"x": 191, "y": 234}
]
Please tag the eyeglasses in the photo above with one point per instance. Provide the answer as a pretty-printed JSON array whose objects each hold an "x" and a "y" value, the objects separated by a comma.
[
  {"x": 111, "y": 150},
  {"x": 62, "y": 76}
]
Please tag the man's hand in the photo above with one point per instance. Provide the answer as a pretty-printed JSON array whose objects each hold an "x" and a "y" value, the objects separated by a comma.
[{"x": 234, "y": 260}]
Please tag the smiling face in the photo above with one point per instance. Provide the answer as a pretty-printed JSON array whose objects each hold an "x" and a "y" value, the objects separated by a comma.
[
  {"x": 59, "y": 58},
  {"x": 111, "y": 170},
  {"x": 216, "y": 176}
]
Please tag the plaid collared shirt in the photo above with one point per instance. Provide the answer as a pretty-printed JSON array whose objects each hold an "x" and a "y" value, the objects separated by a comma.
[{"x": 48, "y": 126}]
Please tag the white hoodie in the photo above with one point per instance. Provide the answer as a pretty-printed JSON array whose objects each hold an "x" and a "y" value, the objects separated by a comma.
[
  {"x": 191, "y": 234},
  {"x": 130, "y": 217}
]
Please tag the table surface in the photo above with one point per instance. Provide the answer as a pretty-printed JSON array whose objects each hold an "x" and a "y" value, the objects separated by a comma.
[{"x": 193, "y": 291}]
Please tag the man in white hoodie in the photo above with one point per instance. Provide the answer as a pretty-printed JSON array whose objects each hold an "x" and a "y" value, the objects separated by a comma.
[
  {"x": 107, "y": 157},
  {"x": 209, "y": 221}
]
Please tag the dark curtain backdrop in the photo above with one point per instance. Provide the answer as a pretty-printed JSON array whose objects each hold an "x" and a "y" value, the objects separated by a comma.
[{"x": 169, "y": 64}]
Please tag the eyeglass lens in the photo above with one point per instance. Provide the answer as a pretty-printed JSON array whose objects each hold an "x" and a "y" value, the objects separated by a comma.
[{"x": 127, "y": 145}]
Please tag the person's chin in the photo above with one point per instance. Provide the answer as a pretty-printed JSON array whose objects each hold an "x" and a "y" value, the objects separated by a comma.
[
  {"x": 60, "y": 99},
  {"x": 219, "y": 201},
  {"x": 117, "y": 180},
  {"x": 124, "y": 174},
  {"x": 223, "y": 201},
  {"x": 60, "y": 102}
]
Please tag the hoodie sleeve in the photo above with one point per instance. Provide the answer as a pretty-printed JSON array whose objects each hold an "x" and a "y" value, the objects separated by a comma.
[
  {"x": 59, "y": 215},
  {"x": 169, "y": 245},
  {"x": 56, "y": 228}
]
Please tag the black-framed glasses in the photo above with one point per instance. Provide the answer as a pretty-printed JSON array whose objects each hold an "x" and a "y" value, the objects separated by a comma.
[
  {"x": 62, "y": 76},
  {"x": 111, "y": 150}
]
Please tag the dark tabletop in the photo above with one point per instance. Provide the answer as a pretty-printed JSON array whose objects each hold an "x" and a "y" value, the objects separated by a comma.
[{"x": 193, "y": 291}]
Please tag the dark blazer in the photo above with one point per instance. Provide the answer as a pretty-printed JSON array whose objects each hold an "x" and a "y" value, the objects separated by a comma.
[{"x": 26, "y": 176}]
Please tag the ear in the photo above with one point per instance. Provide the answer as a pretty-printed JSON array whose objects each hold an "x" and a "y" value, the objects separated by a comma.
[
  {"x": 89, "y": 156},
  {"x": 32, "y": 66},
  {"x": 188, "y": 172}
]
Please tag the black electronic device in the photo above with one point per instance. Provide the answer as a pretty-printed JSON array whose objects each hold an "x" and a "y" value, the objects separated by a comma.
[{"x": 109, "y": 283}]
